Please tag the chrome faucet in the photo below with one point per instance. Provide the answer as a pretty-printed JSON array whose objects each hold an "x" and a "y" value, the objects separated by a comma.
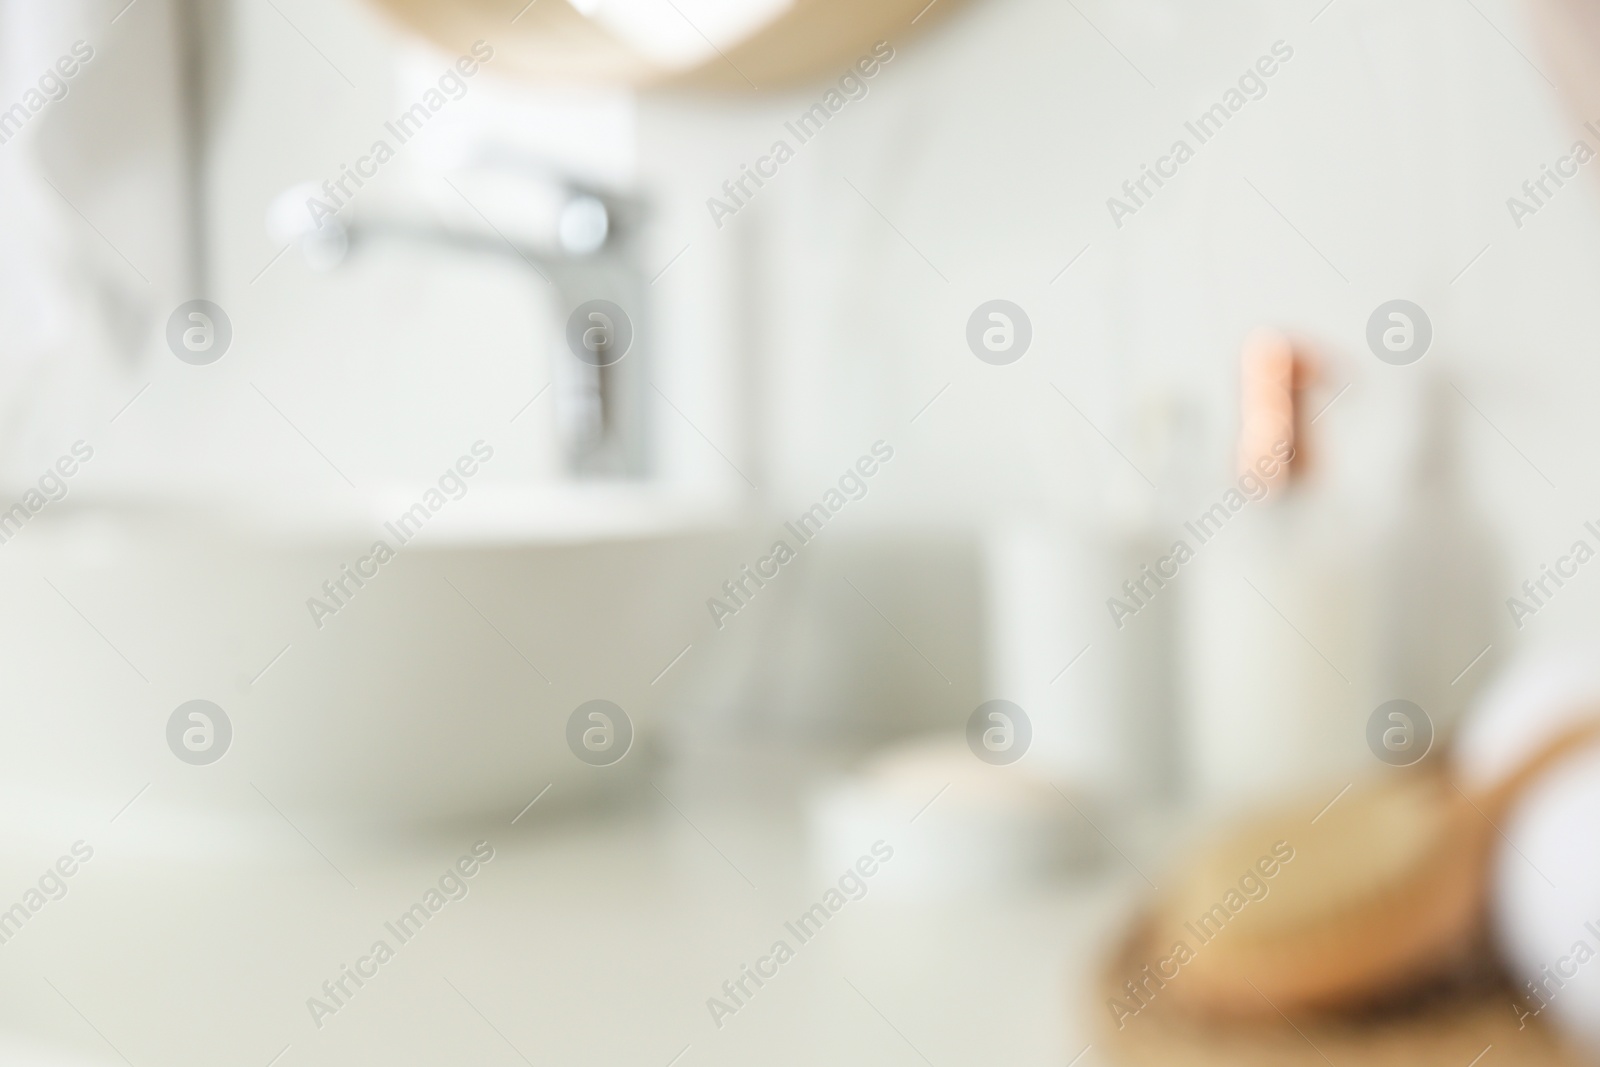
[{"x": 580, "y": 240}]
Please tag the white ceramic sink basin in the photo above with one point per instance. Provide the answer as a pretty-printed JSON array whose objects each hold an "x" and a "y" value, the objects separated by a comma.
[{"x": 438, "y": 689}]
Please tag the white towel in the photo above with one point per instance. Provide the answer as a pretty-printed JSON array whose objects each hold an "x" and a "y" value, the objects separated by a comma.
[{"x": 82, "y": 277}]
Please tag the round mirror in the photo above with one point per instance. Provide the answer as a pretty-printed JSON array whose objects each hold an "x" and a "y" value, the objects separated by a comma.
[{"x": 715, "y": 44}]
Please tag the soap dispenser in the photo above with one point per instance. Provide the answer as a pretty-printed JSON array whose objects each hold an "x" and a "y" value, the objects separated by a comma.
[{"x": 1278, "y": 635}]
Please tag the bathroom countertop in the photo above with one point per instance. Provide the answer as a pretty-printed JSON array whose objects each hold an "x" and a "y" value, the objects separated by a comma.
[{"x": 587, "y": 938}]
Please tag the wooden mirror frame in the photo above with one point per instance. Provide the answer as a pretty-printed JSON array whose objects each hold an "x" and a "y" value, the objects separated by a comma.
[{"x": 550, "y": 41}]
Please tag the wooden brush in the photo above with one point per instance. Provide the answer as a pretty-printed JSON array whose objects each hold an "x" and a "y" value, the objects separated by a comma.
[{"x": 1380, "y": 893}]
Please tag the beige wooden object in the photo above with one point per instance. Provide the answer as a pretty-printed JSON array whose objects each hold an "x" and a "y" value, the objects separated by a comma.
[
  {"x": 1379, "y": 895},
  {"x": 1451, "y": 1030},
  {"x": 551, "y": 41},
  {"x": 1569, "y": 33}
]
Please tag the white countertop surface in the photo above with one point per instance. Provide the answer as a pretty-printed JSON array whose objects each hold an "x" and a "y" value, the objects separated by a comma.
[{"x": 587, "y": 939}]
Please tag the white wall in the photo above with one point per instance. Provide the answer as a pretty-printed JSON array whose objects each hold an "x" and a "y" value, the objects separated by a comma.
[{"x": 1390, "y": 142}]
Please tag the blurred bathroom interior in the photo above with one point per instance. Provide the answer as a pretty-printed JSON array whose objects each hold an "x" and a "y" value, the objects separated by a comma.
[{"x": 282, "y": 282}]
